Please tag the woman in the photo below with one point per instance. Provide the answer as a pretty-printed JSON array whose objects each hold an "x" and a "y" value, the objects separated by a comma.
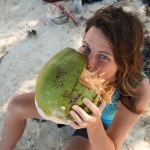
[{"x": 112, "y": 43}]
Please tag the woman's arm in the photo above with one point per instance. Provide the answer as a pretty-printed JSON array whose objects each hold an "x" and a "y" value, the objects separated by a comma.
[
  {"x": 96, "y": 132},
  {"x": 124, "y": 119},
  {"x": 123, "y": 122}
]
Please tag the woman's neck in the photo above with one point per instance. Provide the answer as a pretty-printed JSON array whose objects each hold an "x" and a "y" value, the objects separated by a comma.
[{"x": 114, "y": 83}]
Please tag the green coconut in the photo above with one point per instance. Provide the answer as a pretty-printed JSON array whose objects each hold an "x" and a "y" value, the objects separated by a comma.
[{"x": 58, "y": 87}]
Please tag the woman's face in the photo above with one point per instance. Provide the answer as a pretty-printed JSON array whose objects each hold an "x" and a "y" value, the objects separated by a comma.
[{"x": 99, "y": 54}]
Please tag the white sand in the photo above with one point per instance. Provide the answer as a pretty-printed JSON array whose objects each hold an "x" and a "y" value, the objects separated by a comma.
[{"x": 22, "y": 58}]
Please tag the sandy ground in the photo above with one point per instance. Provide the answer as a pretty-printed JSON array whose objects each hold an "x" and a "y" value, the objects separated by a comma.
[{"x": 21, "y": 59}]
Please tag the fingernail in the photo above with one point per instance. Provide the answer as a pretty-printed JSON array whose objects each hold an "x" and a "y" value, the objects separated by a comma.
[
  {"x": 85, "y": 100},
  {"x": 74, "y": 107},
  {"x": 71, "y": 112}
]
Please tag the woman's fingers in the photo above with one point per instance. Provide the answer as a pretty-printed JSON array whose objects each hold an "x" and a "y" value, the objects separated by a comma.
[
  {"x": 76, "y": 117},
  {"x": 78, "y": 122},
  {"x": 85, "y": 117},
  {"x": 76, "y": 125},
  {"x": 95, "y": 110},
  {"x": 102, "y": 105},
  {"x": 82, "y": 119}
]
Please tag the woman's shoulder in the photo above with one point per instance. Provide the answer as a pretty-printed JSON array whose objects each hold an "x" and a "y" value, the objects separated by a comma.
[{"x": 142, "y": 96}]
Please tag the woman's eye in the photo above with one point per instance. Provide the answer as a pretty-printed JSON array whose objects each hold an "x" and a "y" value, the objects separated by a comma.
[
  {"x": 103, "y": 57},
  {"x": 85, "y": 50}
]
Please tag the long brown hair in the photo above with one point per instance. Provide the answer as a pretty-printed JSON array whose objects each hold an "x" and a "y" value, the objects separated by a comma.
[{"x": 125, "y": 33}]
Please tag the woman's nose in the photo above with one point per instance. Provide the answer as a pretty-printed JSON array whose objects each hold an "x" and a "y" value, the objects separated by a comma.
[
  {"x": 91, "y": 66},
  {"x": 91, "y": 69}
]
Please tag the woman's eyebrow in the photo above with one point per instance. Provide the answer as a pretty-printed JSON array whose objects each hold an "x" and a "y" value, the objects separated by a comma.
[
  {"x": 104, "y": 52},
  {"x": 87, "y": 44}
]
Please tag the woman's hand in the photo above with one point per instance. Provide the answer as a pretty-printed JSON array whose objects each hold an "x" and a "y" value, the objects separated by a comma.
[{"x": 84, "y": 120}]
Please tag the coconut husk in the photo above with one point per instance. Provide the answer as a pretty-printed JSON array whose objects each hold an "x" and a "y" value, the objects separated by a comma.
[{"x": 97, "y": 83}]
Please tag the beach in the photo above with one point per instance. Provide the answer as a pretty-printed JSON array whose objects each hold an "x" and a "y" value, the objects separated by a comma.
[{"x": 22, "y": 57}]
